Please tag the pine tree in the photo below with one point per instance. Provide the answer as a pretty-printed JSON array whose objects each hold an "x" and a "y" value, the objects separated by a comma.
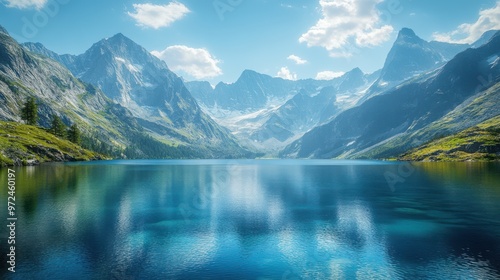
[
  {"x": 74, "y": 134},
  {"x": 57, "y": 127},
  {"x": 29, "y": 112}
]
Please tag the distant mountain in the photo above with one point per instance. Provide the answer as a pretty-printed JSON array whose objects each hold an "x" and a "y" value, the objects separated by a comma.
[
  {"x": 268, "y": 113},
  {"x": 67, "y": 60},
  {"x": 312, "y": 106},
  {"x": 410, "y": 56},
  {"x": 142, "y": 83},
  {"x": 297, "y": 115},
  {"x": 405, "y": 109},
  {"x": 352, "y": 80},
  {"x": 252, "y": 91},
  {"x": 201, "y": 91},
  {"x": 484, "y": 38}
]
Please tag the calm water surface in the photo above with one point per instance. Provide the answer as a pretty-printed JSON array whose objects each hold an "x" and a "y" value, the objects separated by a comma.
[{"x": 255, "y": 220}]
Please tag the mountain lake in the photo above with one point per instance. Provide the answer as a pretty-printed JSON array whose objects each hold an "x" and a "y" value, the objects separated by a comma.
[{"x": 254, "y": 219}]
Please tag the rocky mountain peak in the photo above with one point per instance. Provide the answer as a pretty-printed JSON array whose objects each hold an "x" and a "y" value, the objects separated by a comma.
[
  {"x": 3, "y": 30},
  {"x": 407, "y": 35}
]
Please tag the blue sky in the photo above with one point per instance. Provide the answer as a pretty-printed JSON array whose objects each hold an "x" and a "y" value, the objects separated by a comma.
[{"x": 215, "y": 40}]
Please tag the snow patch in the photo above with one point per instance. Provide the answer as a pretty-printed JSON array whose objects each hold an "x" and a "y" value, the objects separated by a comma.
[
  {"x": 493, "y": 59},
  {"x": 131, "y": 67},
  {"x": 119, "y": 59}
]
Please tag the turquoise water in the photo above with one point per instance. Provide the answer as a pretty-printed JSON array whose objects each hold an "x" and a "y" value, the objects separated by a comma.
[{"x": 255, "y": 219}]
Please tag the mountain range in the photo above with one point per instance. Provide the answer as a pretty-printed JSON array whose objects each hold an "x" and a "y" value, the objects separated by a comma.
[
  {"x": 271, "y": 120},
  {"x": 125, "y": 97},
  {"x": 116, "y": 90},
  {"x": 375, "y": 126},
  {"x": 267, "y": 113}
]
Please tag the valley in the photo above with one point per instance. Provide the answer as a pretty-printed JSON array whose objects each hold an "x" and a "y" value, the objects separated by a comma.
[{"x": 128, "y": 100}]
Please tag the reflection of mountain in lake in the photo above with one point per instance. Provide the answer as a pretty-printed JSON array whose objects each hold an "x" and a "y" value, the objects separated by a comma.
[{"x": 334, "y": 219}]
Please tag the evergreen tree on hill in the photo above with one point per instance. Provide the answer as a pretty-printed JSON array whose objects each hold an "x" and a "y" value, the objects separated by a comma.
[
  {"x": 74, "y": 134},
  {"x": 29, "y": 112},
  {"x": 57, "y": 127}
]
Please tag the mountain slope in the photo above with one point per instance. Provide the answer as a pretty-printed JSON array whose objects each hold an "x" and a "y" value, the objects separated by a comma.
[
  {"x": 404, "y": 109},
  {"x": 252, "y": 91},
  {"x": 481, "y": 142},
  {"x": 27, "y": 145},
  {"x": 201, "y": 91},
  {"x": 409, "y": 57},
  {"x": 268, "y": 113},
  {"x": 479, "y": 108},
  {"x": 298, "y": 114},
  {"x": 57, "y": 92},
  {"x": 66, "y": 59},
  {"x": 156, "y": 97}
]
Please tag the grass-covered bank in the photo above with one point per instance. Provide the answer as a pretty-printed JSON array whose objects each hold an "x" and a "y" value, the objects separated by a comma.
[
  {"x": 22, "y": 144},
  {"x": 478, "y": 143}
]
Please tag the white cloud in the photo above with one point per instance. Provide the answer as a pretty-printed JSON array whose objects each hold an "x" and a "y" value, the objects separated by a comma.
[
  {"x": 198, "y": 63},
  {"x": 296, "y": 59},
  {"x": 157, "y": 16},
  {"x": 469, "y": 32},
  {"x": 328, "y": 75},
  {"x": 25, "y": 4},
  {"x": 347, "y": 22},
  {"x": 286, "y": 74}
]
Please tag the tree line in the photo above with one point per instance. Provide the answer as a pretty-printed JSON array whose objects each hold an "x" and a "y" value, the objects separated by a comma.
[
  {"x": 29, "y": 113},
  {"x": 144, "y": 145}
]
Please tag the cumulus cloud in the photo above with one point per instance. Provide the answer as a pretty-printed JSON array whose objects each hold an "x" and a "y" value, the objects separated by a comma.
[
  {"x": 198, "y": 63},
  {"x": 296, "y": 59},
  {"x": 328, "y": 75},
  {"x": 285, "y": 73},
  {"x": 25, "y": 4},
  {"x": 469, "y": 32},
  {"x": 345, "y": 23},
  {"x": 157, "y": 16}
]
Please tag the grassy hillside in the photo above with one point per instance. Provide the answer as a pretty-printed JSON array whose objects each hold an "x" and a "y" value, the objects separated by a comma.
[
  {"x": 478, "y": 143},
  {"x": 28, "y": 145},
  {"x": 479, "y": 108}
]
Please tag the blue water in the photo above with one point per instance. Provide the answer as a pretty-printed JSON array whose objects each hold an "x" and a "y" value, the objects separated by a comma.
[{"x": 255, "y": 219}]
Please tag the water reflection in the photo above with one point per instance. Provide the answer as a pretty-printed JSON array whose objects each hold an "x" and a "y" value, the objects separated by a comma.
[{"x": 251, "y": 220}]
